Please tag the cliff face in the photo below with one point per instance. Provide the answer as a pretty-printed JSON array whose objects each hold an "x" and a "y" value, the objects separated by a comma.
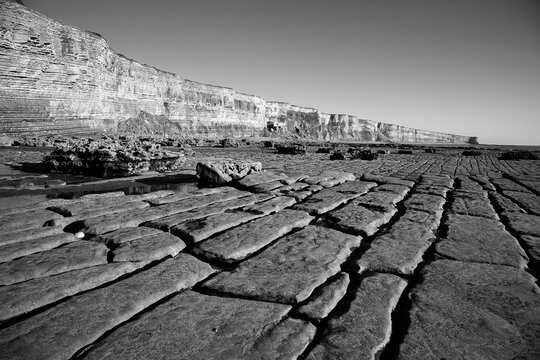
[{"x": 61, "y": 79}]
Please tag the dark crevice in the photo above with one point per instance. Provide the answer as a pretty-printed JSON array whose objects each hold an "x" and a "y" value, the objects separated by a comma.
[
  {"x": 84, "y": 351},
  {"x": 533, "y": 265},
  {"x": 401, "y": 315},
  {"x": 341, "y": 308},
  {"x": 16, "y": 319}
]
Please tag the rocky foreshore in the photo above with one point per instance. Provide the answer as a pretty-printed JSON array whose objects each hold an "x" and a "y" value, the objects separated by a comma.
[{"x": 406, "y": 256}]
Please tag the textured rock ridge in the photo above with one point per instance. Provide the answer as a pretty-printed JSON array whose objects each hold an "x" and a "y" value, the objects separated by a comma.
[{"x": 60, "y": 79}]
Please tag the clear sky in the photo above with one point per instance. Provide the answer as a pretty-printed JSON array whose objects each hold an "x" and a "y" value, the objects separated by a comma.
[{"x": 469, "y": 67}]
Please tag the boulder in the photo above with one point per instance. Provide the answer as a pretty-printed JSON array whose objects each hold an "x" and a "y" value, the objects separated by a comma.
[
  {"x": 293, "y": 149},
  {"x": 217, "y": 173},
  {"x": 111, "y": 158}
]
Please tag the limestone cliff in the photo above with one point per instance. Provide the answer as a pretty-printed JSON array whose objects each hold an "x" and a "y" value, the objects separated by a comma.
[{"x": 60, "y": 79}]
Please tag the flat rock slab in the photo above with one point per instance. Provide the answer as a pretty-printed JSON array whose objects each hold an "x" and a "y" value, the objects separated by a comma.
[
  {"x": 287, "y": 340},
  {"x": 467, "y": 310},
  {"x": 75, "y": 255},
  {"x": 193, "y": 231},
  {"x": 107, "y": 223},
  {"x": 15, "y": 236},
  {"x": 196, "y": 326},
  {"x": 267, "y": 186},
  {"x": 120, "y": 236},
  {"x": 165, "y": 223},
  {"x": 325, "y": 176},
  {"x": 356, "y": 219},
  {"x": 97, "y": 206},
  {"x": 325, "y": 298},
  {"x": 397, "y": 189},
  {"x": 61, "y": 331},
  {"x": 181, "y": 195},
  {"x": 529, "y": 202},
  {"x": 474, "y": 204},
  {"x": 524, "y": 224},
  {"x": 260, "y": 177},
  {"x": 20, "y": 298},
  {"x": 505, "y": 204},
  {"x": 507, "y": 184},
  {"x": 387, "y": 180},
  {"x": 437, "y": 180},
  {"x": 425, "y": 202},
  {"x": 292, "y": 187},
  {"x": 16, "y": 250},
  {"x": 28, "y": 220},
  {"x": 242, "y": 241},
  {"x": 475, "y": 239},
  {"x": 289, "y": 270},
  {"x": 381, "y": 200},
  {"x": 149, "y": 248},
  {"x": 431, "y": 190},
  {"x": 270, "y": 206},
  {"x": 465, "y": 184},
  {"x": 324, "y": 201},
  {"x": 400, "y": 248},
  {"x": 354, "y": 187},
  {"x": 362, "y": 331}
]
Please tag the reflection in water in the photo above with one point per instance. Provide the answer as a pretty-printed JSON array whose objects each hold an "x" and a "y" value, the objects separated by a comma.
[{"x": 177, "y": 183}]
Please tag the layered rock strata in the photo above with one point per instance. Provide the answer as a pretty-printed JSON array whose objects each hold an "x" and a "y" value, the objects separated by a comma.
[{"x": 63, "y": 80}]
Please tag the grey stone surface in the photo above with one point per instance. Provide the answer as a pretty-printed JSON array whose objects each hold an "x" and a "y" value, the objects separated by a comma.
[
  {"x": 354, "y": 187},
  {"x": 465, "y": 184},
  {"x": 287, "y": 340},
  {"x": 28, "y": 220},
  {"x": 325, "y": 298},
  {"x": 465, "y": 310},
  {"x": 20, "y": 298},
  {"x": 507, "y": 184},
  {"x": 397, "y": 189},
  {"x": 324, "y": 201},
  {"x": 431, "y": 190},
  {"x": 400, "y": 248},
  {"x": 120, "y": 236},
  {"x": 364, "y": 329},
  {"x": 387, "y": 179},
  {"x": 528, "y": 201},
  {"x": 244, "y": 240},
  {"x": 16, "y": 235},
  {"x": 381, "y": 200},
  {"x": 474, "y": 204},
  {"x": 326, "y": 175},
  {"x": 16, "y": 250},
  {"x": 193, "y": 231},
  {"x": 107, "y": 223},
  {"x": 267, "y": 186},
  {"x": 270, "y": 206},
  {"x": 196, "y": 326},
  {"x": 61, "y": 331},
  {"x": 149, "y": 248},
  {"x": 75, "y": 255},
  {"x": 474, "y": 239},
  {"x": 523, "y": 223},
  {"x": 165, "y": 223},
  {"x": 425, "y": 202},
  {"x": 289, "y": 270},
  {"x": 260, "y": 177},
  {"x": 505, "y": 204},
  {"x": 357, "y": 219},
  {"x": 181, "y": 195}
]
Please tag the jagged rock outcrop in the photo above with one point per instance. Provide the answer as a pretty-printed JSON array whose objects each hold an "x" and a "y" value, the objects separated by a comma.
[{"x": 58, "y": 79}]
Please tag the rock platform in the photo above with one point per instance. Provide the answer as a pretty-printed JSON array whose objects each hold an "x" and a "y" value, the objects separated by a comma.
[{"x": 417, "y": 256}]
